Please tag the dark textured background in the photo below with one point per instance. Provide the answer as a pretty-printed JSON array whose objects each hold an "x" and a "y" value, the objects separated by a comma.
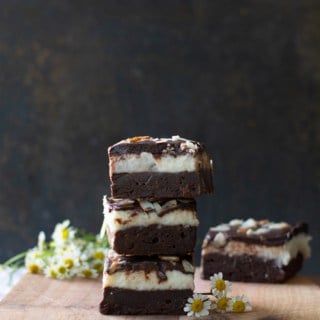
[{"x": 76, "y": 76}]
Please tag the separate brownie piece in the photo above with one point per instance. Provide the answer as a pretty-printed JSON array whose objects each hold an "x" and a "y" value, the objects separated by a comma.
[
  {"x": 140, "y": 227},
  {"x": 255, "y": 251},
  {"x": 145, "y": 167},
  {"x": 146, "y": 285}
]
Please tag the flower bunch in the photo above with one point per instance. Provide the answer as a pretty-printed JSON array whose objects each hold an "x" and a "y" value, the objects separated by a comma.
[
  {"x": 72, "y": 252},
  {"x": 200, "y": 305}
]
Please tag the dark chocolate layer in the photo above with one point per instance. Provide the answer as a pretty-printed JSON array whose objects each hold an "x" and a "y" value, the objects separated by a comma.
[
  {"x": 155, "y": 240},
  {"x": 161, "y": 184},
  {"x": 274, "y": 237},
  {"x": 160, "y": 265},
  {"x": 135, "y": 204},
  {"x": 131, "y": 302},
  {"x": 248, "y": 268}
]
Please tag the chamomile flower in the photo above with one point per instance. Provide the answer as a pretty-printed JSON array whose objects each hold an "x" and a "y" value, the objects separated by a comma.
[
  {"x": 98, "y": 254},
  {"x": 62, "y": 271},
  {"x": 221, "y": 304},
  {"x": 63, "y": 232},
  {"x": 219, "y": 287},
  {"x": 198, "y": 306},
  {"x": 98, "y": 266},
  {"x": 33, "y": 254},
  {"x": 88, "y": 251},
  {"x": 87, "y": 272},
  {"x": 72, "y": 252},
  {"x": 34, "y": 265},
  {"x": 239, "y": 304},
  {"x": 96, "y": 258},
  {"x": 70, "y": 258},
  {"x": 33, "y": 261},
  {"x": 50, "y": 271},
  {"x": 41, "y": 241}
]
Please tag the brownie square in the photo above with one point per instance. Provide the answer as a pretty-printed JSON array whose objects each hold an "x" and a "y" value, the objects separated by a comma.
[
  {"x": 137, "y": 285},
  {"x": 255, "y": 251},
  {"x": 140, "y": 227},
  {"x": 146, "y": 167}
]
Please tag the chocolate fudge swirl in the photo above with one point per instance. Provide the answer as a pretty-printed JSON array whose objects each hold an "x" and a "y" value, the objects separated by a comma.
[
  {"x": 148, "y": 264},
  {"x": 165, "y": 204},
  {"x": 260, "y": 234},
  {"x": 156, "y": 146}
]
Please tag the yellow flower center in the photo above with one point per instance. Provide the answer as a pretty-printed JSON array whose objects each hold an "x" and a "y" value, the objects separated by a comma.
[
  {"x": 87, "y": 273},
  {"x": 197, "y": 305},
  {"x": 220, "y": 285},
  {"x": 238, "y": 306},
  {"x": 33, "y": 268},
  {"x": 65, "y": 234},
  {"x": 98, "y": 266},
  {"x": 69, "y": 263},
  {"x": 98, "y": 255},
  {"x": 53, "y": 274},
  {"x": 222, "y": 303},
  {"x": 62, "y": 270}
]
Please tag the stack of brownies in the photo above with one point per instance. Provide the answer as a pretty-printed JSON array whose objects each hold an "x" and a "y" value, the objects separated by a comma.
[{"x": 151, "y": 223}]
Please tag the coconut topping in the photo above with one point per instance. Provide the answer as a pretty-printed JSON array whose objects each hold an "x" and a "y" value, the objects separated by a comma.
[
  {"x": 160, "y": 207},
  {"x": 221, "y": 227},
  {"x": 253, "y": 231},
  {"x": 169, "y": 258},
  {"x": 219, "y": 240},
  {"x": 146, "y": 206},
  {"x": 251, "y": 226},
  {"x": 185, "y": 144},
  {"x": 188, "y": 267}
]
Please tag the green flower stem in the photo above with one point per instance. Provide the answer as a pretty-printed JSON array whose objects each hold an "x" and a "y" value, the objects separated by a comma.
[{"x": 17, "y": 260}]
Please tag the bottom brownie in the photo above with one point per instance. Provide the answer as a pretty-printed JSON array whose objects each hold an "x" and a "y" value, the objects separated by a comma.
[
  {"x": 125, "y": 301},
  {"x": 248, "y": 268}
]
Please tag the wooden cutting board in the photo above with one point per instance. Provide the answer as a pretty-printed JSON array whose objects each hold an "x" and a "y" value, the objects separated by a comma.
[{"x": 36, "y": 297}]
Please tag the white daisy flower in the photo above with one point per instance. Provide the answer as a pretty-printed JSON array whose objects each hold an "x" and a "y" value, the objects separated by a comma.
[
  {"x": 50, "y": 271},
  {"x": 87, "y": 252},
  {"x": 33, "y": 254},
  {"x": 62, "y": 271},
  {"x": 70, "y": 257},
  {"x": 79, "y": 243},
  {"x": 97, "y": 258},
  {"x": 98, "y": 266},
  {"x": 63, "y": 232},
  {"x": 219, "y": 287},
  {"x": 34, "y": 265},
  {"x": 72, "y": 253},
  {"x": 197, "y": 306},
  {"x": 99, "y": 254},
  {"x": 221, "y": 304},
  {"x": 56, "y": 268},
  {"x": 34, "y": 261},
  {"x": 239, "y": 304},
  {"x": 41, "y": 240},
  {"x": 86, "y": 272}
]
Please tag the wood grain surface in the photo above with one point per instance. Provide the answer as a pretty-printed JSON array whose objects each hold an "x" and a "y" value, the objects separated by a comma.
[{"x": 37, "y": 297}]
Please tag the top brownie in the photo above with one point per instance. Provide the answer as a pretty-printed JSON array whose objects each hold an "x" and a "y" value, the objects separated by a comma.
[{"x": 146, "y": 167}]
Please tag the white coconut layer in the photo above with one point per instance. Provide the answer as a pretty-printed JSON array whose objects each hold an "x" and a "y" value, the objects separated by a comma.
[
  {"x": 122, "y": 219},
  {"x": 139, "y": 280},
  {"x": 146, "y": 162},
  {"x": 282, "y": 255}
]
